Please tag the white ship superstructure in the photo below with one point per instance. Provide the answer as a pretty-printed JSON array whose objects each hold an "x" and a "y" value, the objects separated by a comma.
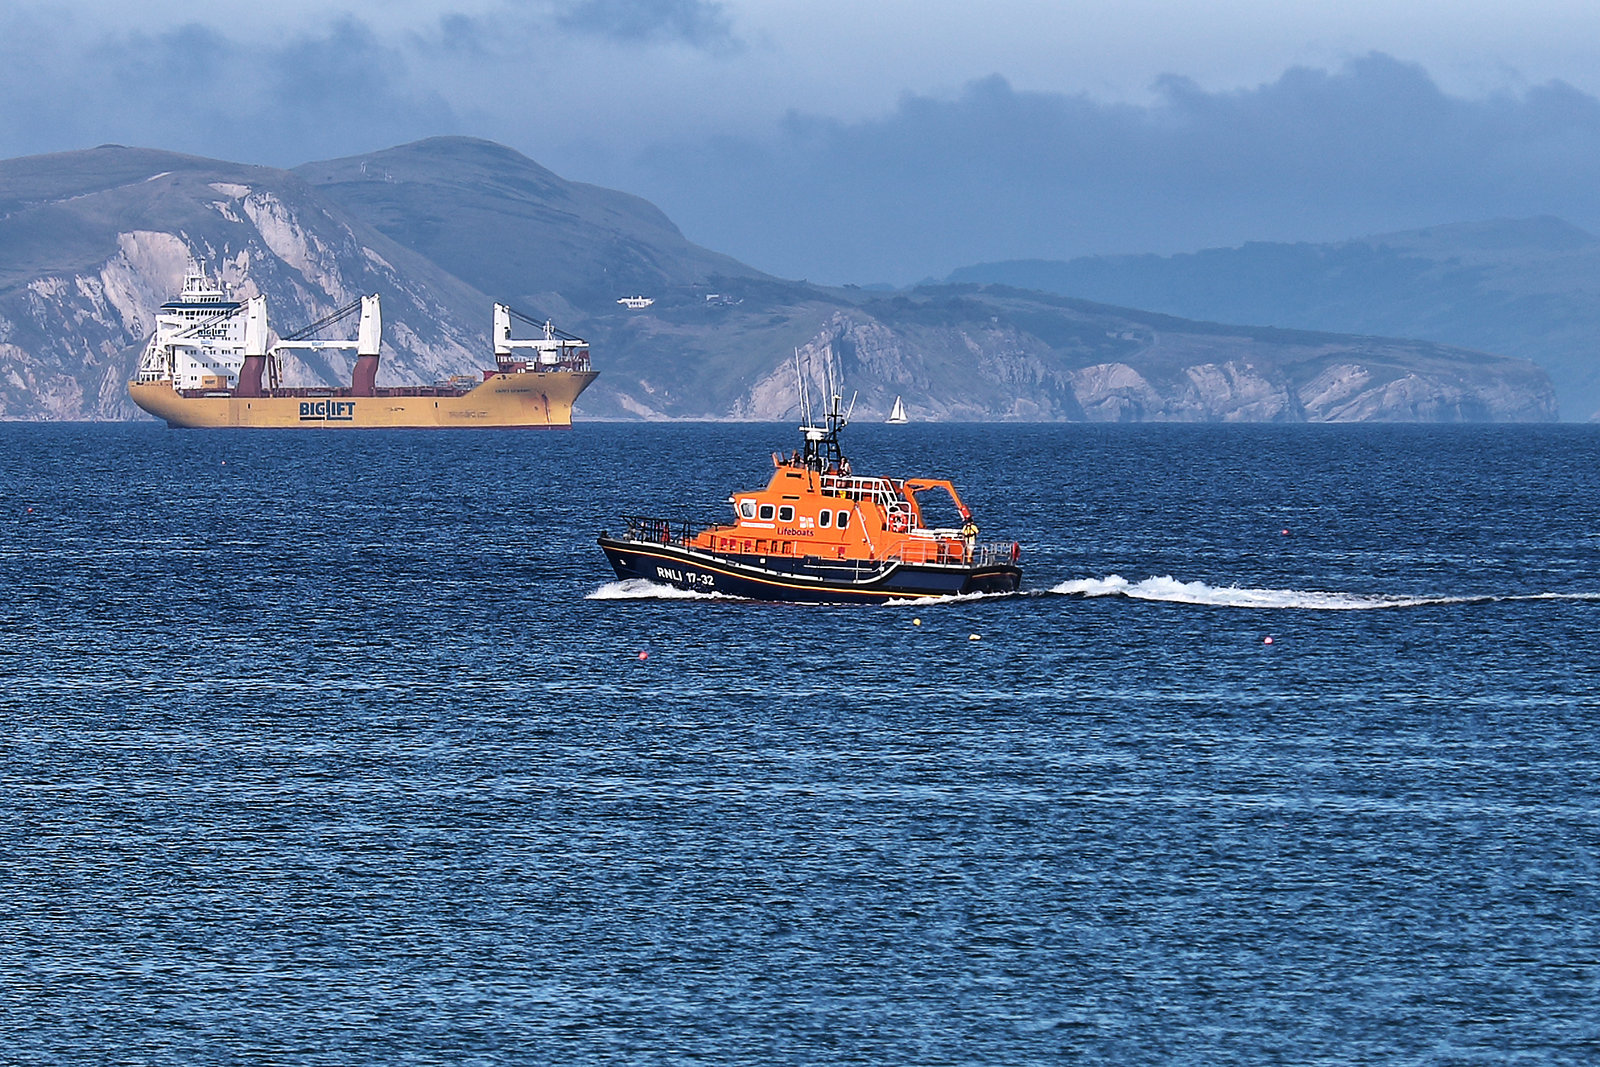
[{"x": 199, "y": 342}]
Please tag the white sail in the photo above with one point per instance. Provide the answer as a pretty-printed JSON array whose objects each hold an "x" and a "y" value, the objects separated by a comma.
[{"x": 899, "y": 412}]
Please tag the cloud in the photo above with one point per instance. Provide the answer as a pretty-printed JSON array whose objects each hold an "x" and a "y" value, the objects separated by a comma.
[
  {"x": 507, "y": 31},
  {"x": 701, "y": 24},
  {"x": 996, "y": 173},
  {"x": 194, "y": 89}
]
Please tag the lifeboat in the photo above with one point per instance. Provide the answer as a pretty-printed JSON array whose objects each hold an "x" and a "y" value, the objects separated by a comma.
[{"x": 820, "y": 533}]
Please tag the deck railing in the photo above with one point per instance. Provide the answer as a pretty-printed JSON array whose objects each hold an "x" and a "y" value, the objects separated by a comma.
[
  {"x": 856, "y": 488},
  {"x": 662, "y": 531},
  {"x": 654, "y": 529},
  {"x": 990, "y": 554}
]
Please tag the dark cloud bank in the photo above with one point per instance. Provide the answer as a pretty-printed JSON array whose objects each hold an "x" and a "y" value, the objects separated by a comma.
[{"x": 999, "y": 174}]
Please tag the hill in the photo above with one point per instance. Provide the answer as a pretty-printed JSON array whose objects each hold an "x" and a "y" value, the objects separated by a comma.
[
  {"x": 1526, "y": 288},
  {"x": 92, "y": 242},
  {"x": 499, "y": 221}
]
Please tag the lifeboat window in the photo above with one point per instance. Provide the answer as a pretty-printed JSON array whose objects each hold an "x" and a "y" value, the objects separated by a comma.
[
  {"x": 747, "y": 508},
  {"x": 786, "y": 513},
  {"x": 825, "y": 519},
  {"x": 766, "y": 511},
  {"x": 844, "y": 519}
]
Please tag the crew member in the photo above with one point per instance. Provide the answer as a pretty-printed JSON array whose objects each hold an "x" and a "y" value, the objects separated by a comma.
[{"x": 969, "y": 532}]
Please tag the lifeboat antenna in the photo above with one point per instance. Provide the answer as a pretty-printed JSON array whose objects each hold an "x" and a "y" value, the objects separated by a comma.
[
  {"x": 822, "y": 451},
  {"x": 837, "y": 420},
  {"x": 805, "y": 395}
]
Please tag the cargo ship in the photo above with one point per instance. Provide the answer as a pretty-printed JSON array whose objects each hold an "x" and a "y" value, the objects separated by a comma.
[
  {"x": 820, "y": 533},
  {"x": 209, "y": 364}
]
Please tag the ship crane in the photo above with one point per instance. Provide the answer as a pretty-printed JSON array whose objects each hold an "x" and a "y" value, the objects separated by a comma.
[
  {"x": 555, "y": 348},
  {"x": 368, "y": 334}
]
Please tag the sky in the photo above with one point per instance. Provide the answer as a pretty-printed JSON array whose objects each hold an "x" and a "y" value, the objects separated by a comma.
[{"x": 876, "y": 141}]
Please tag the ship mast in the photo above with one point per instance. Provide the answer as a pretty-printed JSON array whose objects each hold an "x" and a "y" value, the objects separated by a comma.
[{"x": 822, "y": 449}]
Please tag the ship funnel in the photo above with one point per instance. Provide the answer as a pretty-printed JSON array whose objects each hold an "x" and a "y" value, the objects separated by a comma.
[
  {"x": 502, "y": 332},
  {"x": 364, "y": 379},
  {"x": 255, "y": 347}
]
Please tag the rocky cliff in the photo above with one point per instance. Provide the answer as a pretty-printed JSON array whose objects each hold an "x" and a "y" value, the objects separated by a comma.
[{"x": 981, "y": 353}]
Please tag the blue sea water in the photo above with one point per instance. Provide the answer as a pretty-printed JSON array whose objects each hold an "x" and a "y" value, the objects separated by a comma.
[{"x": 329, "y": 748}]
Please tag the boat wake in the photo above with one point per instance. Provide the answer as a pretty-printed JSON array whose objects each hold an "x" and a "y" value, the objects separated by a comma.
[
  {"x": 1171, "y": 590},
  {"x": 1164, "y": 589},
  {"x": 640, "y": 589}
]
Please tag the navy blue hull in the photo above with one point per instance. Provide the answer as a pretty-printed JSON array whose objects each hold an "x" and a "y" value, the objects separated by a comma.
[{"x": 806, "y": 579}]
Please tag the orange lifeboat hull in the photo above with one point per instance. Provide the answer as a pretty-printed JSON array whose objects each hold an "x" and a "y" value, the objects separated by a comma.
[{"x": 803, "y": 579}]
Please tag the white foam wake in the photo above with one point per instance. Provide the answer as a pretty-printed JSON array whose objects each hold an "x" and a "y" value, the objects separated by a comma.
[
  {"x": 1167, "y": 588},
  {"x": 640, "y": 589}
]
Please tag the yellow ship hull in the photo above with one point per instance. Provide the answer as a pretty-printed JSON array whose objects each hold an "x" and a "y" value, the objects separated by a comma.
[{"x": 530, "y": 400}]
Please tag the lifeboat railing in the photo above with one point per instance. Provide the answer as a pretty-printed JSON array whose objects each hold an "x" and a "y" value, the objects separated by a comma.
[
  {"x": 993, "y": 553},
  {"x": 664, "y": 531},
  {"x": 885, "y": 490},
  {"x": 653, "y": 529},
  {"x": 988, "y": 554},
  {"x": 656, "y": 530}
]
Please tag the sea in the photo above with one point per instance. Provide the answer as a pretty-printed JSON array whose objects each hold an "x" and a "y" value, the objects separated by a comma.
[{"x": 348, "y": 748}]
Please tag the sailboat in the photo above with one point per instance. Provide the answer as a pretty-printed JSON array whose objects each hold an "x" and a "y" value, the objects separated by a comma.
[{"x": 899, "y": 412}]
